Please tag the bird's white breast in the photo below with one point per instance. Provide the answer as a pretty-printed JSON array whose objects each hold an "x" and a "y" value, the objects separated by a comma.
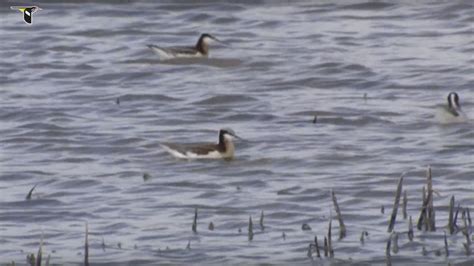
[{"x": 445, "y": 117}]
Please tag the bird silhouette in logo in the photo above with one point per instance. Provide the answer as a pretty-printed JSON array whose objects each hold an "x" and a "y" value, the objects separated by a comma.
[{"x": 27, "y": 12}]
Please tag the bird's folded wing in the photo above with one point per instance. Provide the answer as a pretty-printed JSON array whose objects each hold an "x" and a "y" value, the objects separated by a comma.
[{"x": 200, "y": 149}]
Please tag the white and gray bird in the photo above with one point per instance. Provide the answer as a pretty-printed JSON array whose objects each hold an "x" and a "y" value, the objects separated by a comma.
[
  {"x": 201, "y": 49},
  {"x": 452, "y": 112},
  {"x": 223, "y": 149}
]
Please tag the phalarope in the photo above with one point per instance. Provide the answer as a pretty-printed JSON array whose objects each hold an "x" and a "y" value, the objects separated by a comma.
[
  {"x": 453, "y": 104},
  {"x": 201, "y": 49},
  {"x": 452, "y": 113},
  {"x": 223, "y": 149}
]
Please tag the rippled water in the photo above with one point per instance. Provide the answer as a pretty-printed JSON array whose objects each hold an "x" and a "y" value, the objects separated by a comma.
[{"x": 63, "y": 129}]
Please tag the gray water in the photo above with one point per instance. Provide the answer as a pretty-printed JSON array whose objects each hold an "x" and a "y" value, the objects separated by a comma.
[{"x": 373, "y": 73}]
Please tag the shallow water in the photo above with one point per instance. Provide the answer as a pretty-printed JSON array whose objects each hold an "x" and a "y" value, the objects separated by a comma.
[{"x": 63, "y": 129}]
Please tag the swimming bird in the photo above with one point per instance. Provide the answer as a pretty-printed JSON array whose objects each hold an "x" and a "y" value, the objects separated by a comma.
[
  {"x": 201, "y": 49},
  {"x": 223, "y": 149},
  {"x": 452, "y": 111},
  {"x": 27, "y": 12},
  {"x": 453, "y": 104}
]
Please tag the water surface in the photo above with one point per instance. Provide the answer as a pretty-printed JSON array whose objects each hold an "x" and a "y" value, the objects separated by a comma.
[{"x": 84, "y": 104}]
